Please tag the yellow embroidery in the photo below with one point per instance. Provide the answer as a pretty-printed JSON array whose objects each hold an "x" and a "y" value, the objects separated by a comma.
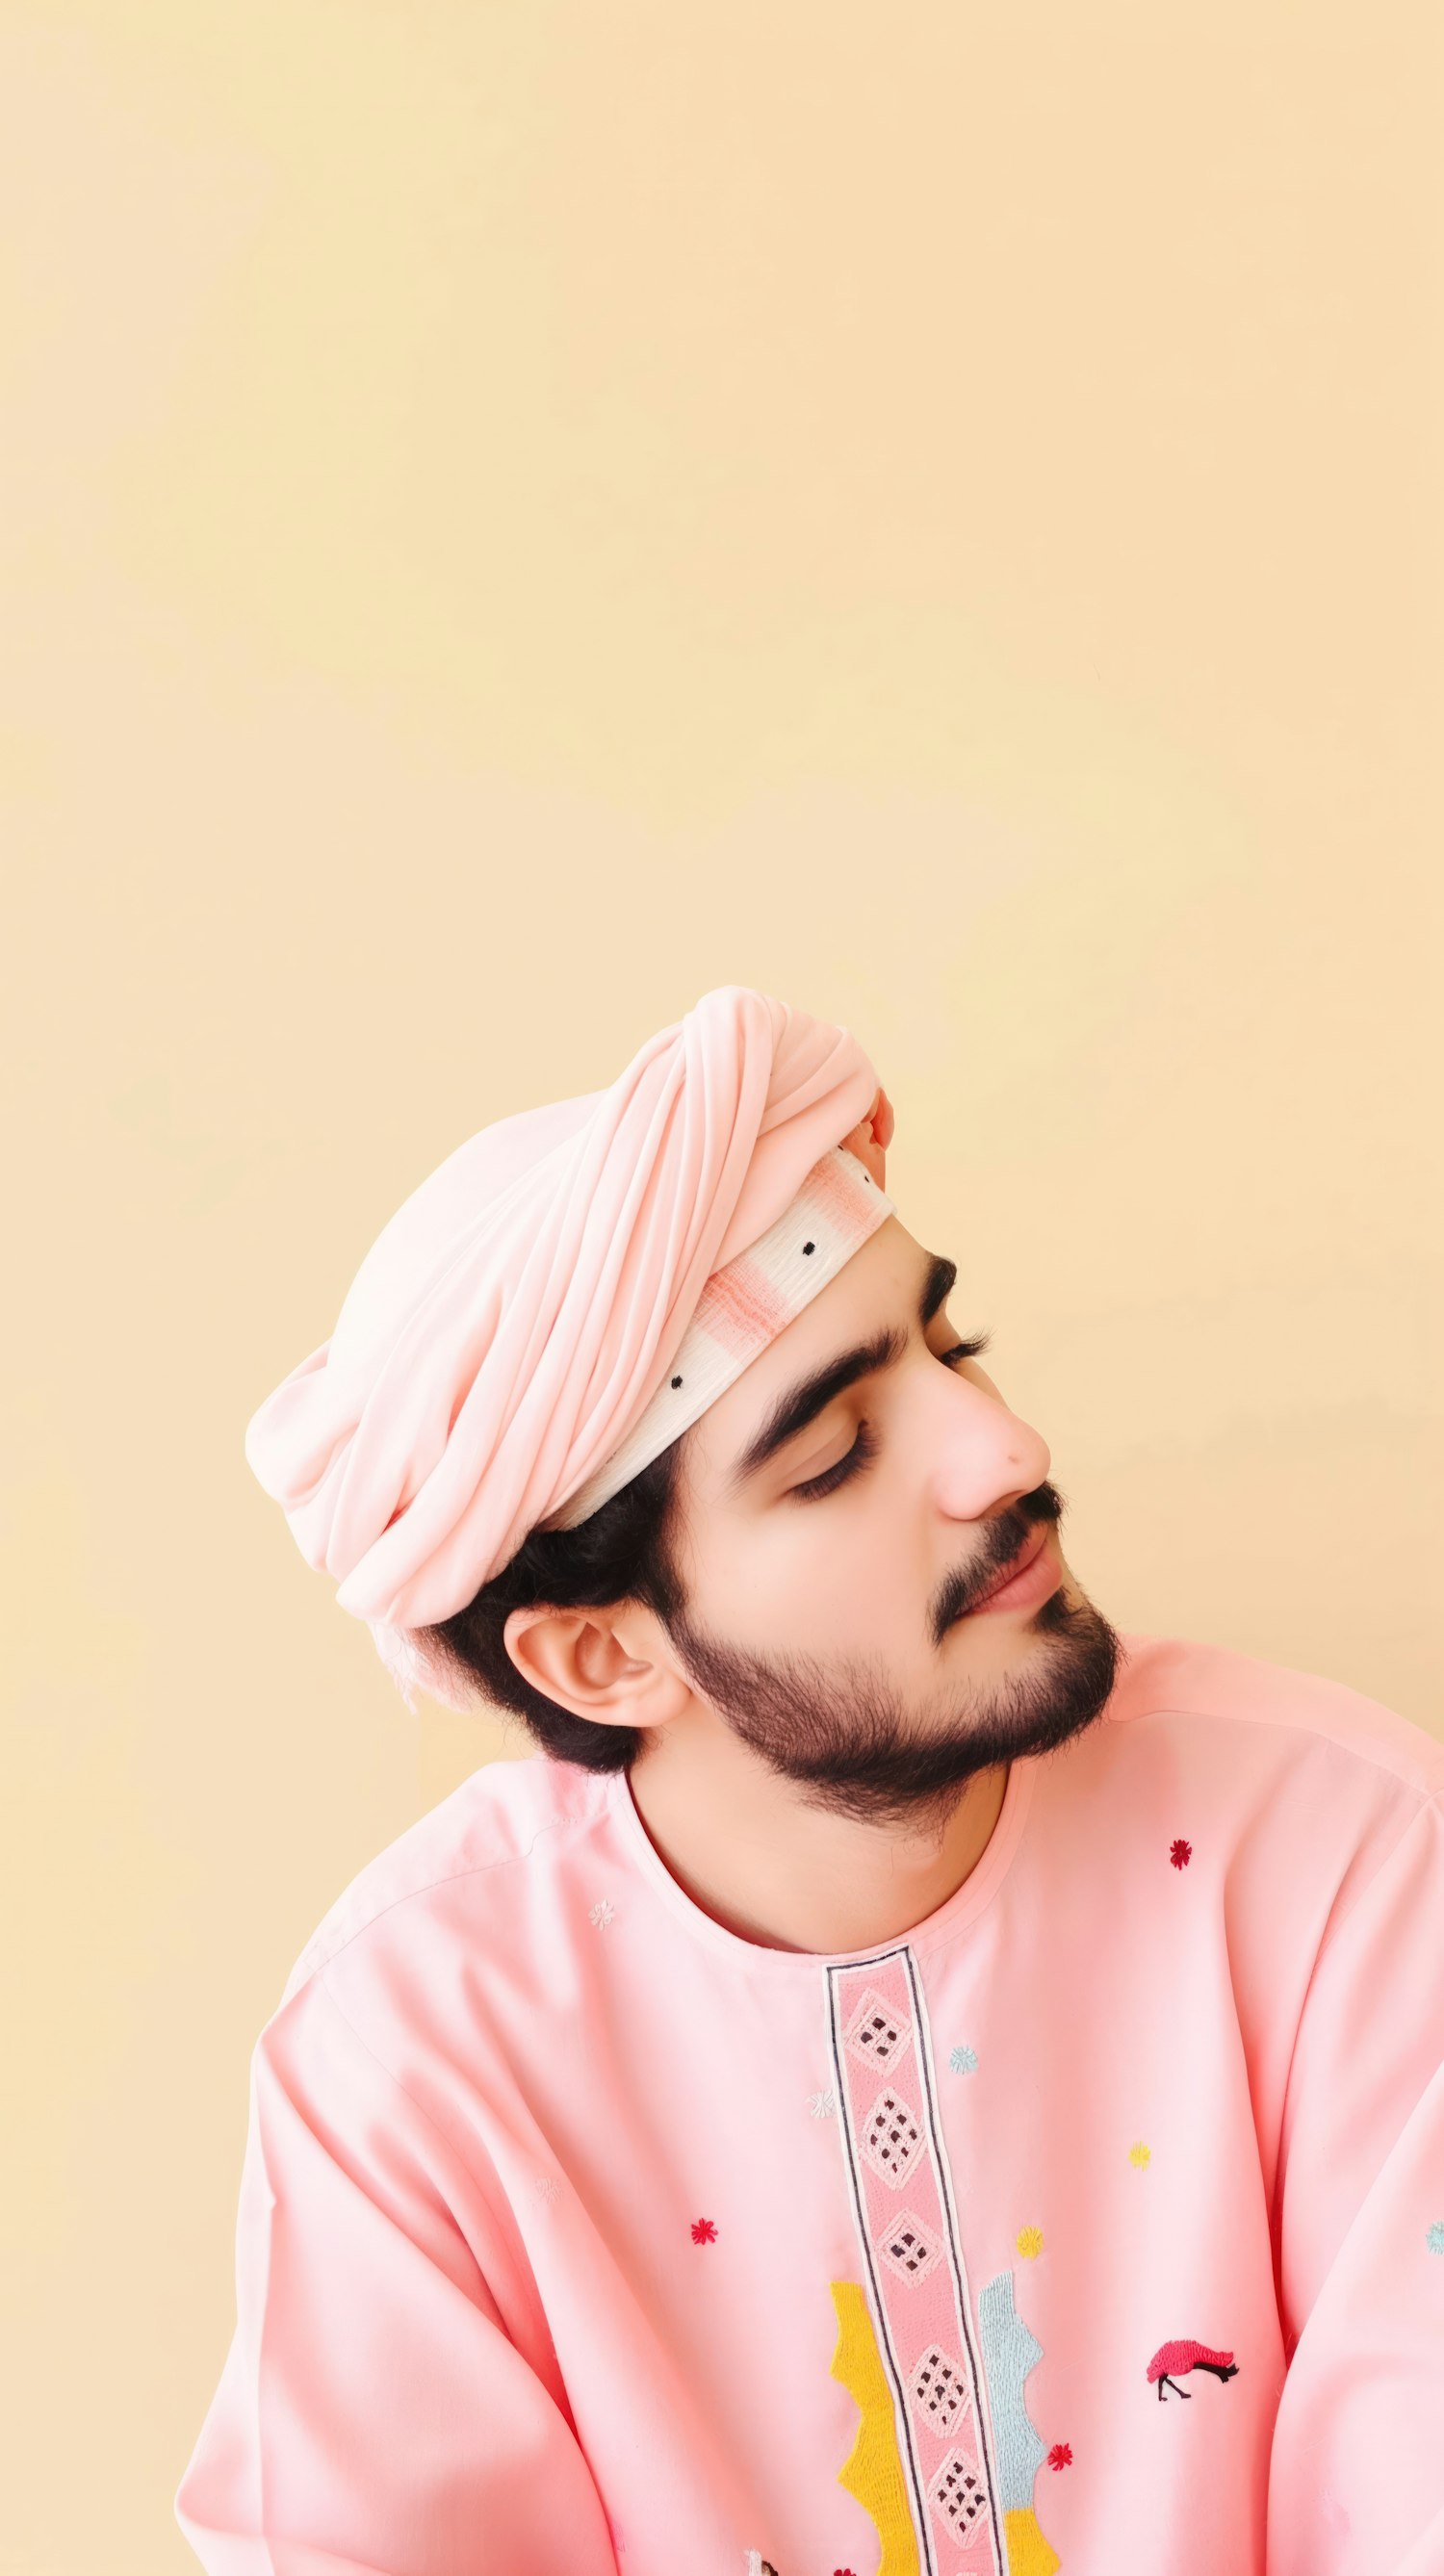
[
  {"x": 1030, "y": 2240},
  {"x": 872, "y": 2470},
  {"x": 1138, "y": 2154},
  {"x": 1029, "y": 2554}
]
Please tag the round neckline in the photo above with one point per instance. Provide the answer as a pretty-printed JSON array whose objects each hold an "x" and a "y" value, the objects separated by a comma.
[{"x": 953, "y": 1916}]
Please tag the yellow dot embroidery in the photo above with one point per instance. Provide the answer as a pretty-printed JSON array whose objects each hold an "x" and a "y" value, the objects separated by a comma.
[
  {"x": 1030, "y": 2241},
  {"x": 1138, "y": 2154}
]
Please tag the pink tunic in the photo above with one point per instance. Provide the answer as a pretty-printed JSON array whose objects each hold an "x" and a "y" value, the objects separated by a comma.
[{"x": 1095, "y": 2224}]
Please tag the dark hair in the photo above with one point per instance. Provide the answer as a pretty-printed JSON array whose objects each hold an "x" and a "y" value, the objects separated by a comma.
[{"x": 621, "y": 1554}]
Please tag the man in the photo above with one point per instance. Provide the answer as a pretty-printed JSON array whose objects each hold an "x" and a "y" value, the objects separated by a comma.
[{"x": 906, "y": 2078}]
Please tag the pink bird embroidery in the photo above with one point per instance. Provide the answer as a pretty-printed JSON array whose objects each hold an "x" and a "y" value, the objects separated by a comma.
[{"x": 1172, "y": 2359}]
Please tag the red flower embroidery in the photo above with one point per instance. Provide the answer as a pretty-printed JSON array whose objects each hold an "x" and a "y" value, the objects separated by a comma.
[
  {"x": 1060, "y": 2457},
  {"x": 1180, "y": 1853},
  {"x": 703, "y": 2232}
]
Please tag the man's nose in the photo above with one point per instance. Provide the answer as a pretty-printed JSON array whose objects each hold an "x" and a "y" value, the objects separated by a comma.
[{"x": 984, "y": 1453}]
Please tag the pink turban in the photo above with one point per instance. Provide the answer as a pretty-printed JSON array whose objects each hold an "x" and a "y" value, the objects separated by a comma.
[{"x": 508, "y": 1327}]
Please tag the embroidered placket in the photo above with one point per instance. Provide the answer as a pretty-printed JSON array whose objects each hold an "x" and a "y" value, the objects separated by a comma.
[{"x": 901, "y": 2196}]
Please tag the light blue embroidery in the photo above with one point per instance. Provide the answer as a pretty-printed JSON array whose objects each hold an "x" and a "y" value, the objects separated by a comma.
[
  {"x": 1435, "y": 2238},
  {"x": 963, "y": 2060},
  {"x": 1009, "y": 2352}
]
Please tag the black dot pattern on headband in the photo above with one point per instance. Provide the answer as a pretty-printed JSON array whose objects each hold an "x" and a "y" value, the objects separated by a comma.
[
  {"x": 676, "y": 1381},
  {"x": 809, "y": 1247}
]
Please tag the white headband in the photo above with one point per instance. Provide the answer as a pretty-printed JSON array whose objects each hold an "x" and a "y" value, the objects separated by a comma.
[{"x": 742, "y": 1309}]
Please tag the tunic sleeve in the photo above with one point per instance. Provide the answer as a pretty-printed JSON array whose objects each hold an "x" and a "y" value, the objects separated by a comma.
[
  {"x": 1357, "y": 2473},
  {"x": 374, "y": 2416}
]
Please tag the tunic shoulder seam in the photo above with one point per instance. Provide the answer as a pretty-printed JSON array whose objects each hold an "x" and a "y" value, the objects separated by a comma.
[
  {"x": 1427, "y": 1784},
  {"x": 335, "y": 1933}
]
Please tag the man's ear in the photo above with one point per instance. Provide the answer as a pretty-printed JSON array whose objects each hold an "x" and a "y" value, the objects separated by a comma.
[{"x": 611, "y": 1665}]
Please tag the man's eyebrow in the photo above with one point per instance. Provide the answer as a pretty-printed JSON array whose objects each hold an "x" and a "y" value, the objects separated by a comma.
[{"x": 801, "y": 1404}]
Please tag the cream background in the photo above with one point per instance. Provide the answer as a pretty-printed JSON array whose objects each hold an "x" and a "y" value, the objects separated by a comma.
[{"x": 515, "y": 515}]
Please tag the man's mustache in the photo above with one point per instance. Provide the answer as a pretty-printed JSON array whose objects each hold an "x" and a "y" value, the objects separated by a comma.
[{"x": 1009, "y": 1535}]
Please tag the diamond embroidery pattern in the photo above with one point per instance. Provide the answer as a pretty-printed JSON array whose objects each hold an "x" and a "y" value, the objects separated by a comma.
[
  {"x": 910, "y": 2248},
  {"x": 892, "y": 2141},
  {"x": 895, "y": 2154},
  {"x": 875, "y": 2034},
  {"x": 957, "y": 2494},
  {"x": 939, "y": 2390}
]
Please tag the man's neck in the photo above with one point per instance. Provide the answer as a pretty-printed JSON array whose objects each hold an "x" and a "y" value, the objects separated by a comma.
[{"x": 741, "y": 1843}]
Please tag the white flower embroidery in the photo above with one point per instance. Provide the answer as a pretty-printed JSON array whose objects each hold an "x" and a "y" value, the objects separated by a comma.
[
  {"x": 602, "y": 1913},
  {"x": 822, "y": 2105},
  {"x": 546, "y": 2186}
]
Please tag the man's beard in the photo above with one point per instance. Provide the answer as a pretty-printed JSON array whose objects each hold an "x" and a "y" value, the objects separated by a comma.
[{"x": 854, "y": 1748}]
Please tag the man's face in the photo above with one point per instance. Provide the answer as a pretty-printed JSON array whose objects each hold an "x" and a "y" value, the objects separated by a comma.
[{"x": 842, "y": 1510}]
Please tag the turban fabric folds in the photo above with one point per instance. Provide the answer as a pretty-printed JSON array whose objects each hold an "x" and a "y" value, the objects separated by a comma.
[{"x": 510, "y": 1325}]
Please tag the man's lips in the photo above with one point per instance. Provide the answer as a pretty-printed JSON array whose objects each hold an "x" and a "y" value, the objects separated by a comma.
[{"x": 1020, "y": 1564}]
